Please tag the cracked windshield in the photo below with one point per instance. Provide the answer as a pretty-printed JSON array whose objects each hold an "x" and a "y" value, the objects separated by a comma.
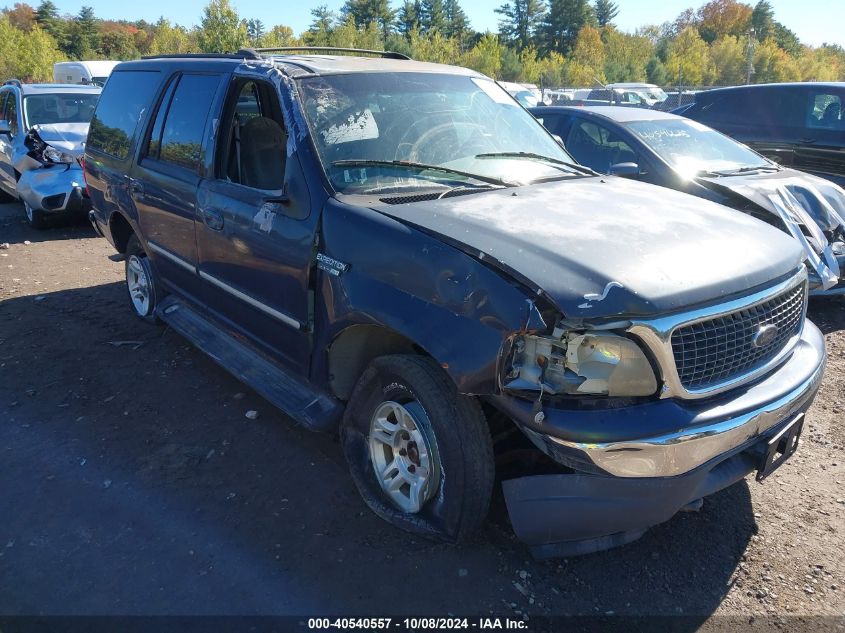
[{"x": 409, "y": 132}]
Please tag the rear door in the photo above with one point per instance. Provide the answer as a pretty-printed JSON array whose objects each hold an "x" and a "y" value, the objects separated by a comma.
[
  {"x": 163, "y": 184},
  {"x": 822, "y": 148},
  {"x": 256, "y": 231}
]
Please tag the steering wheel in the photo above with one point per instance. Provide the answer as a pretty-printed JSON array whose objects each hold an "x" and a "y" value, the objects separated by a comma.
[{"x": 440, "y": 143}]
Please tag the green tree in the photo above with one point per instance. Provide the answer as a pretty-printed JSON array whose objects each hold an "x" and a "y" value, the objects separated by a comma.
[
  {"x": 586, "y": 64},
  {"x": 606, "y": 11},
  {"x": 169, "y": 39},
  {"x": 485, "y": 56},
  {"x": 626, "y": 55},
  {"x": 457, "y": 23},
  {"x": 221, "y": 29},
  {"x": 365, "y": 12},
  {"x": 688, "y": 58},
  {"x": 117, "y": 45},
  {"x": 763, "y": 20},
  {"x": 434, "y": 48},
  {"x": 656, "y": 73},
  {"x": 520, "y": 22},
  {"x": 787, "y": 40},
  {"x": 772, "y": 64},
  {"x": 562, "y": 23},
  {"x": 409, "y": 17},
  {"x": 433, "y": 16},
  {"x": 322, "y": 24},
  {"x": 27, "y": 56},
  {"x": 728, "y": 54},
  {"x": 277, "y": 37},
  {"x": 47, "y": 17},
  {"x": 255, "y": 31}
]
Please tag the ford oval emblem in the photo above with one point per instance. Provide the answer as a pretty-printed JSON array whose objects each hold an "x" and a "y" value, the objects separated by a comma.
[{"x": 765, "y": 335}]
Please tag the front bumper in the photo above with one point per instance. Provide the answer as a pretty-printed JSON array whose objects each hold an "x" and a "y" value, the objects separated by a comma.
[
  {"x": 55, "y": 189},
  {"x": 628, "y": 481}
]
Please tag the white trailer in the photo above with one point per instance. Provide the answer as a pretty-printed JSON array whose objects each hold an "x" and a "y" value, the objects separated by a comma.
[{"x": 83, "y": 72}]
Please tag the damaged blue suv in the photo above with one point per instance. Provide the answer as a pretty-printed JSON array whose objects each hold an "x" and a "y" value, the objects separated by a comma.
[{"x": 399, "y": 251}]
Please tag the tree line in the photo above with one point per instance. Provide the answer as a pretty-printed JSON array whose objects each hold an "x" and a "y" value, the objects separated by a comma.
[{"x": 546, "y": 42}]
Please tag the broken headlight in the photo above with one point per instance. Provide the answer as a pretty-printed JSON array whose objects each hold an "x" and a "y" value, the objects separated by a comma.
[
  {"x": 53, "y": 155},
  {"x": 589, "y": 363}
]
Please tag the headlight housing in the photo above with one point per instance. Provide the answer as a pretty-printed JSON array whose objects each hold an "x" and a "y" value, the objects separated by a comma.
[
  {"x": 588, "y": 363},
  {"x": 53, "y": 155}
]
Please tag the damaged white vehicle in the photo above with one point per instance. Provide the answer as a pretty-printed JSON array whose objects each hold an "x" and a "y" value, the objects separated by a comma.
[{"x": 43, "y": 128}]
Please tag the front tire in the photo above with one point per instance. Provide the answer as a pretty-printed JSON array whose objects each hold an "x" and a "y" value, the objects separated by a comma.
[
  {"x": 141, "y": 281},
  {"x": 36, "y": 218},
  {"x": 419, "y": 452}
]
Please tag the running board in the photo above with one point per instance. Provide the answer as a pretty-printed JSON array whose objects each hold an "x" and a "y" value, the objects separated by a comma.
[{"x": 314, "y": 409}]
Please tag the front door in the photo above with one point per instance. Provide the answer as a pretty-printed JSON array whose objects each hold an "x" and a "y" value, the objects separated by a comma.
[
  {"x": 164, "y": 183},
  {"x": 255, "y": 231}
]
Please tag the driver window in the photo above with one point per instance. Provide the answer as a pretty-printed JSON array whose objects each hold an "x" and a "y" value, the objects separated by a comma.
[
  {"x": 597, "y": 147},
  {"x": 12, "y": 113},
  {"x": 254, "y": 150}
]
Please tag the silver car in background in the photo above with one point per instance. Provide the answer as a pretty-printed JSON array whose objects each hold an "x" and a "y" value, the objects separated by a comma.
[{"x": 43, "y": 128}]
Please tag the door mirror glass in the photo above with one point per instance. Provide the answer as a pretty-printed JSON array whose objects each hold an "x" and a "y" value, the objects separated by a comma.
[
  {"x": 5, "y": 128},
  {"x": 625, "y": 170}
]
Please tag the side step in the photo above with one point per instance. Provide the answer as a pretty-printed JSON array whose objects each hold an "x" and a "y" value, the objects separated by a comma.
[{"x": 314, "y": 409}]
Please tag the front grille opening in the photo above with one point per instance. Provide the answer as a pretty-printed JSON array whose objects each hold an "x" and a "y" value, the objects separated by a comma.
[{"x": 718, "y": 350}]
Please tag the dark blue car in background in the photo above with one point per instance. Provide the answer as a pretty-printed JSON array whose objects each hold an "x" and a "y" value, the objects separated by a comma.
[
  {"x": 672, "y": 151},
  {"x": 398, "y": 250}
]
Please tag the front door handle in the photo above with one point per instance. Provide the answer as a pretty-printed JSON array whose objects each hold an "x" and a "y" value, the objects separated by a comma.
[
  {"x": 213, "y": 219},
  {"x": 808, "y": 141}
]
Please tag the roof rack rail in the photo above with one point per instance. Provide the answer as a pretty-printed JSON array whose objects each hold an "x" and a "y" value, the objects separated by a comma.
[
  {"x": 328, "y": 49},
  {"x": 12, "y": 82},
  {"x": 244, "y": 53}
]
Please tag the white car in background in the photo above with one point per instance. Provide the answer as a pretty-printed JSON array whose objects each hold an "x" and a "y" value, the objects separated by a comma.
[{"x": 83, "y": 72}]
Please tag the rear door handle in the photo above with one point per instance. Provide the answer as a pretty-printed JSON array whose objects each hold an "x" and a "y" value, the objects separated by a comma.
[
  {"x": 809, "y": 141},
  {"x": 213, "y": 219}
]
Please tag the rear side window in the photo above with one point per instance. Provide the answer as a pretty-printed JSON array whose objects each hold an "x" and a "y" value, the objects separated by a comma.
[
  {"x": 184, "y": 123},
  {"x": 825, "y": 111},
  {"x": 126, "y": 95}
]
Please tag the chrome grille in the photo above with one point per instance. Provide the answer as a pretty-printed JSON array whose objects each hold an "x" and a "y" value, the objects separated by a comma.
[{"x": 715, "y": 351}]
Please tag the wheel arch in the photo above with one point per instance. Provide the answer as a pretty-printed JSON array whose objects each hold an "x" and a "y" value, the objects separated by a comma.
[
  {"x": 121, "y": 230},
  {"x": 356, "y": 346}
]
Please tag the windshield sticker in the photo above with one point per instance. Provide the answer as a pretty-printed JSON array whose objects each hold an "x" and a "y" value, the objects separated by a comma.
[
  {"x": 358, "y": 127},
  {"x": 494, "y": 91}
]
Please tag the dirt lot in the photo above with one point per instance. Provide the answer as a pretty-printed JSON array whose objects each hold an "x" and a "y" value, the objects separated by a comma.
[{"x": 131, "y": 482}]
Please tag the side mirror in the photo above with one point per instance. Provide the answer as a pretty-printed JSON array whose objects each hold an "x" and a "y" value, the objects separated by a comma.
[
  {"x": 5, "y": 128},
  {"x": 625, "y": 170}
]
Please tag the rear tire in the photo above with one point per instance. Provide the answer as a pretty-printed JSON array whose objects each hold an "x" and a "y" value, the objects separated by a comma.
[
  {"x": 419, "y": 452},
  {"x": 36, "y": 218},
  {"x": 141, "y": 282}
]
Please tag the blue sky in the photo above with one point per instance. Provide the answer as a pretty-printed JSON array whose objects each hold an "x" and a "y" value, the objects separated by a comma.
[{"x": 815, "y": 21}]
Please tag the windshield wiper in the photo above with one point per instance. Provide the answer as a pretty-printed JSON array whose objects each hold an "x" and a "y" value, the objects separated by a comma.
[
  {"x": 362, "y": 162},
  {"x": 546, "y": 159},
  {"x": 745, "y": 170}
]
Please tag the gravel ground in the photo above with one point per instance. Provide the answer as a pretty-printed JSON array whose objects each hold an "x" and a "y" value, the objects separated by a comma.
[{"x": 132, "y": 482}]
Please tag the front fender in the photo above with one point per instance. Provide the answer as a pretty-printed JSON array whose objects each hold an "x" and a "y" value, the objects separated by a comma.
[{"x": 448, "y": 303}]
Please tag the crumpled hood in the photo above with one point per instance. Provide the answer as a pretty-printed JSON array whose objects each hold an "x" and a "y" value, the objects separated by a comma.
[
  {"x": 68, "y": 137},
  {"x": 603, "y": 247},
  {"x": 822, "y": 199},
  {"x": 798, "y": 199}
]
